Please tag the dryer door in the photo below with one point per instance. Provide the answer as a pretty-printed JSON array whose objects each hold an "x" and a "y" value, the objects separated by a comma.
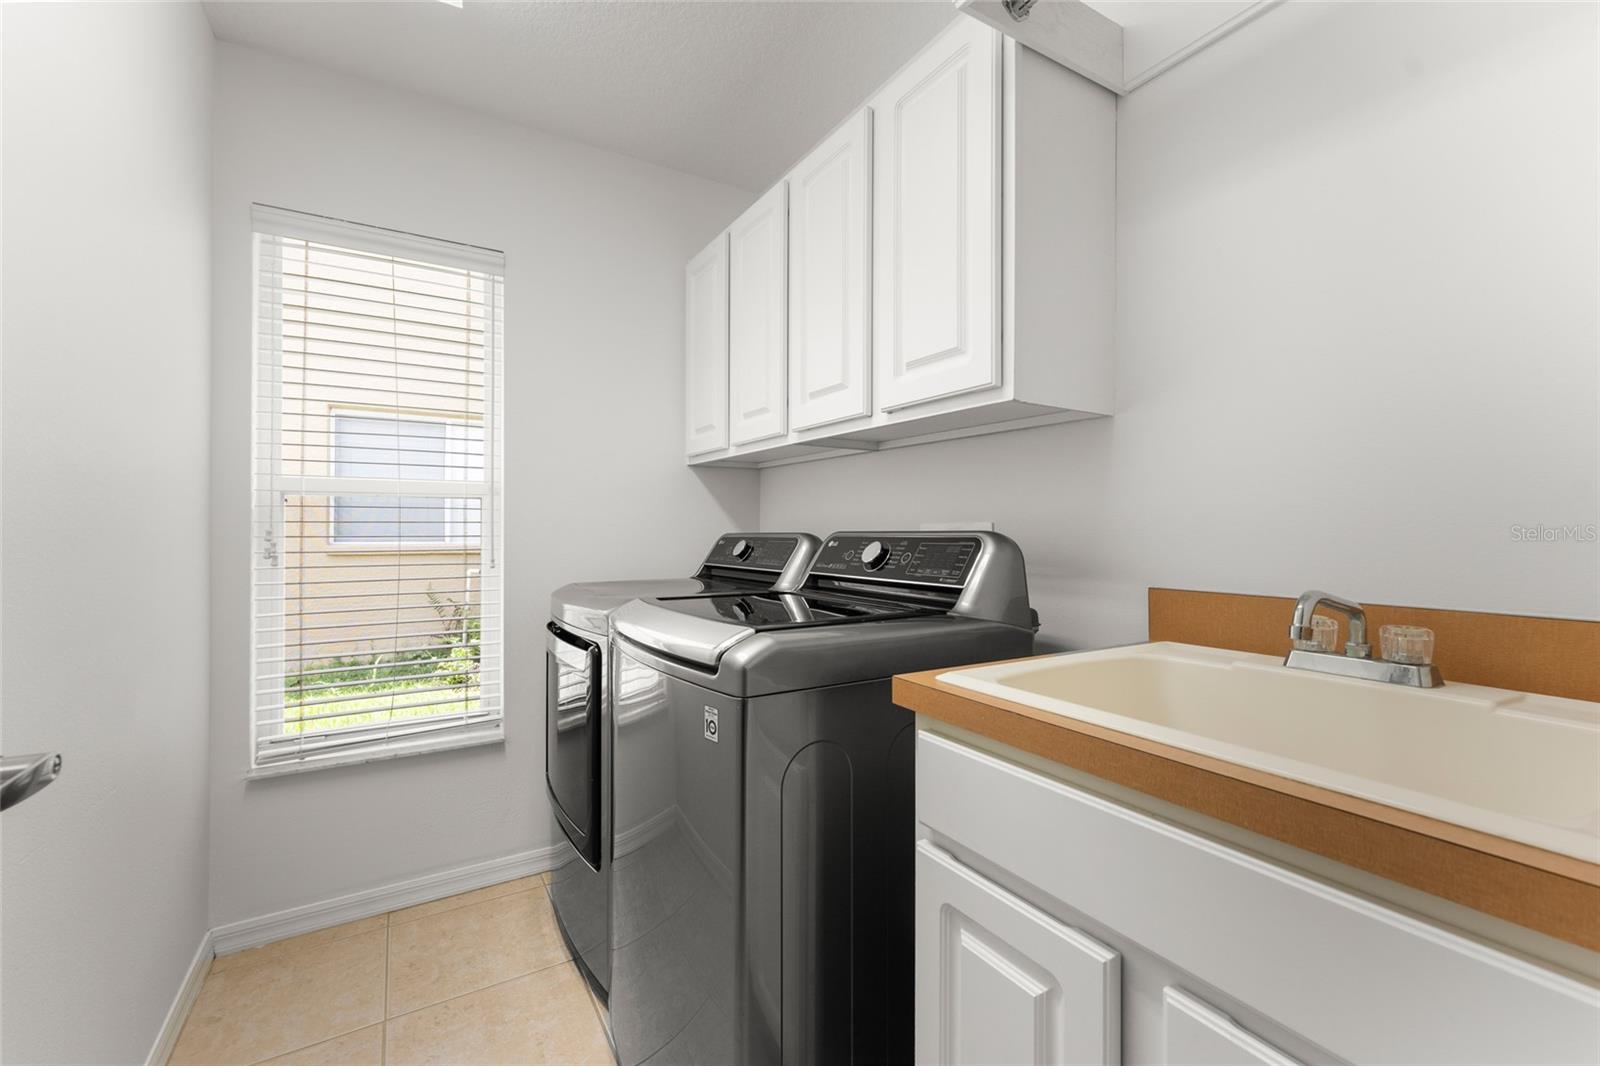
[{"x": 572, "y": 737}]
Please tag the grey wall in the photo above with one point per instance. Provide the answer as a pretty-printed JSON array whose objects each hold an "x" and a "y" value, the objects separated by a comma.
[
  {"x": 1357, "y": 335},
  {"x": 596, "y": 485},
  {"x": 105, "y": 412}
]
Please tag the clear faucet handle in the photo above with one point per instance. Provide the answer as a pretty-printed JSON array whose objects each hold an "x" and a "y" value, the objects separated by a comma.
[
  {"x": 1406, "y": 644},
  {"x": 1324, "y": 635}
]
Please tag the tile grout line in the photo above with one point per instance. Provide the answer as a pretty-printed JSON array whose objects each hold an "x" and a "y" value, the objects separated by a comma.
[
  {"x": 285, "y": 940},
  {"x": 539, "y": 885},
  {"x": 485, "y": 988},
  {"x": 383, "y": 1026},
  {"x": 479, "y": 903},
  {"x": 338, "y": 1036},
  {"x": 314, "y": 1043}
]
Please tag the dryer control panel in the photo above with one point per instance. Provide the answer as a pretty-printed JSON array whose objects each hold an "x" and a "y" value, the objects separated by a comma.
[
  {"x": 752, "y": 551},
  {"x": 932, "y": 560}
]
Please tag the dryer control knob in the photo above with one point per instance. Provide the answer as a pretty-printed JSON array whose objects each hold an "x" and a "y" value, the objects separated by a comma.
[
  {"x": 742, "y": 549},
  {"x": 874, "y": 555}
]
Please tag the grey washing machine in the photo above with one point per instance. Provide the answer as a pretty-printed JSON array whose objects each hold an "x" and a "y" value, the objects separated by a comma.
[
  {"x": 765, "y": 832},
  {"x": 579, "y": 730}
]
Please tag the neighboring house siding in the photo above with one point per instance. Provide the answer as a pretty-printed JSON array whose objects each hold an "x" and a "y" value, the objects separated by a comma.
[{"x": 338, "y": 574}]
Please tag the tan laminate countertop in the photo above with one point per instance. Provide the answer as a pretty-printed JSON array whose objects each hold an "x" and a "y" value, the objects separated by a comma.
[{"x": 1554, "y": 894}]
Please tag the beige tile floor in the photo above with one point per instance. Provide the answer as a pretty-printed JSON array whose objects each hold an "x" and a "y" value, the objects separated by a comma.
[{"x": 479, "y": 978}]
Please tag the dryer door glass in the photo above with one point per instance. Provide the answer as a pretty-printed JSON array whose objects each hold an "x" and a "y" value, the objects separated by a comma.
[{"x": 572, "y": 737}]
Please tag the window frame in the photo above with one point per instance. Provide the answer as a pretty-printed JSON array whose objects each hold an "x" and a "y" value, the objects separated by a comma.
[{"x": 396, "y": 738}]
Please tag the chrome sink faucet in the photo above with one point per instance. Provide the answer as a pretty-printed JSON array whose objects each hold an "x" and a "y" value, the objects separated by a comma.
[
  {"x": 1300, "y": 629},
  {"x": 1411, "y": 663}
]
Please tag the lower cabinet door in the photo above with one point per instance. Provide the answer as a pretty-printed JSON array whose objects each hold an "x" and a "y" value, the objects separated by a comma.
[
  {"x": 1000, "y": 981},
  {"x": 1198, "y": 1035}
]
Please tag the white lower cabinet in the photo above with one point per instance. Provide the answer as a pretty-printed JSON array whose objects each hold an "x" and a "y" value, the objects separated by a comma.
[
  {"x": 1009, "y": 983},
  {"x": 1045, "y": 912}
]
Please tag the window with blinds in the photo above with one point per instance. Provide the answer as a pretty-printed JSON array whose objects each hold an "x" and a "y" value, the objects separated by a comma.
[{"x": 377, "y": 488}]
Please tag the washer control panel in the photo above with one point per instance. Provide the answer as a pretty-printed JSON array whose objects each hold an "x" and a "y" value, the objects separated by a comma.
[
  {"x": 919, "y": 560},
  {"x": 752, "y": 551}
]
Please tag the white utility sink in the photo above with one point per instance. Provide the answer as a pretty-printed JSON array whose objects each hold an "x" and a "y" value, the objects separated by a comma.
[{"x": 1519, "y": 766}]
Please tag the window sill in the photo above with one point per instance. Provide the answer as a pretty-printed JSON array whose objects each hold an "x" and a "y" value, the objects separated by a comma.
[
  {"x": 390, "y": 549},
  {"x": 355, "y": 756}
]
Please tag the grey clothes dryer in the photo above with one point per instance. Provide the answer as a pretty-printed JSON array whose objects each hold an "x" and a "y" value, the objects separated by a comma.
[
  {"x": 579, "y": 729},
  {"x": 765, "y": 831}
]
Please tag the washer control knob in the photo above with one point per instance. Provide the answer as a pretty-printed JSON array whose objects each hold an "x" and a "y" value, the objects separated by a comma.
[
  {"x": 742, "y": 549},
  {"x": 874, "y": 555}
]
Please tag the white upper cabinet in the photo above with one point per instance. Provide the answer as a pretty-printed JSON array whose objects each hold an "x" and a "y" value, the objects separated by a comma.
[
  {"x": 936, "y": 236},
  {"x": 945, "y": 264},
  {"x": 706, "y": 349},
  {"x": 758, "y": 329},
  {"x": 830, "y": 285}
]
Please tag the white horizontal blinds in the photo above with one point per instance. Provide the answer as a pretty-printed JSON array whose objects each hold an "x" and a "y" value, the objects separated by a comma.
[{"x": 377, "y": 452}]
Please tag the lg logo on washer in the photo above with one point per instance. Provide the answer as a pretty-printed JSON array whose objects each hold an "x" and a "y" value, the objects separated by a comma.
[{"x": 711, "y": 724}]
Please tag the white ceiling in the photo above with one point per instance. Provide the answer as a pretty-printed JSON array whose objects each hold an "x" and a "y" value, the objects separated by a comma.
[
  {"x": 1152, "y": 30},
  {"x": 733, "y": 91}
]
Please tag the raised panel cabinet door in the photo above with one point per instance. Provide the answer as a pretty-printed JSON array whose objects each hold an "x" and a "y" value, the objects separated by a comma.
[
  {"x": 1199, "y": 1035},
  {"x": 758, "y": 329},
  {"x": 936, "y": 221},
  {"x": 705, "y": 344},
  {"x": 830, "y": 284},
  {"x": 1000, "y": 981}
]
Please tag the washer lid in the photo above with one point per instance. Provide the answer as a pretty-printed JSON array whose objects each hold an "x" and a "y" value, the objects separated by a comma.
[
  {"x": 587, "y": 605},
  {"x": 701, "y": 629}
]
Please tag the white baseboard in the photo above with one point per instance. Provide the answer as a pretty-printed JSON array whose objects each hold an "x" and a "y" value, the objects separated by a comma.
[
  {"x": 253, "y": 932},
  {"x": 178, "y": 1013}
]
